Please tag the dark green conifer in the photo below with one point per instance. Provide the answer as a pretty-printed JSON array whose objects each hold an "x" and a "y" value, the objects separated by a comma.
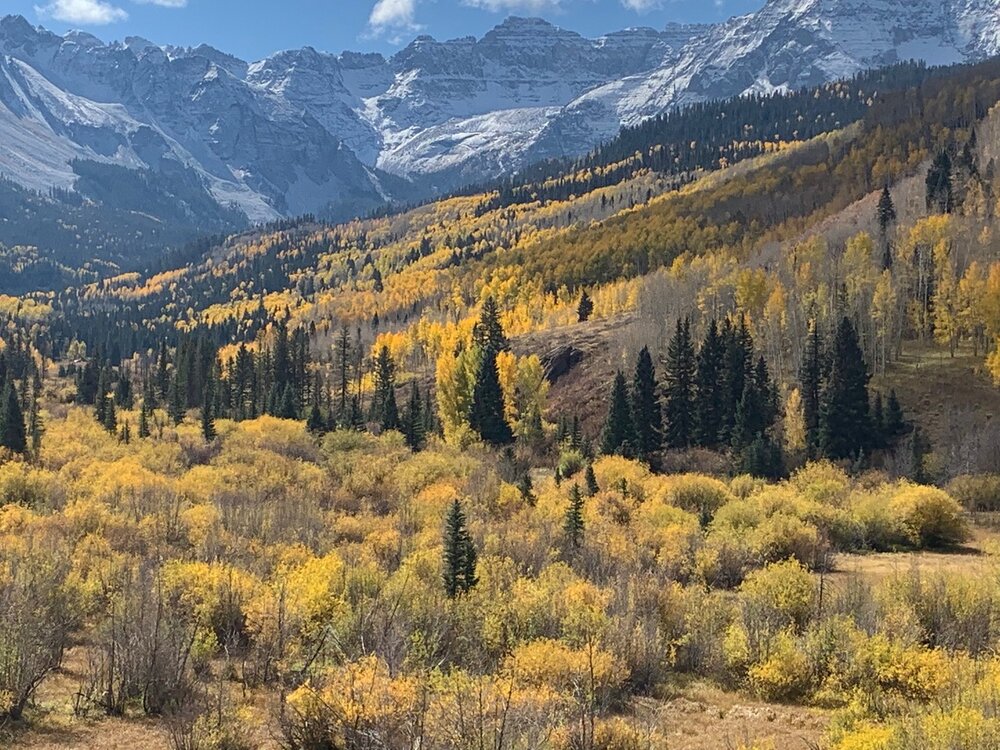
[
  {"x": 459, "y": 554},
  {"x": 619, "y": 434},
  {"x": 647, "y": 418},
  {"x": 527, "y": 490},
  {"x": 414, "y": 423},
  {"x": 845, "y": 422},
  {"x": 486, "y": 415},
  {"x": 708, "y": 399},
  {"x": 811, "y": 380},
  {"x": 573, "y": 526},
  {"x": 14, "y": 435},
  {"x": 208, "y": 431},
  {"x": 585, "y": 309},
  {"x": 591, "y": 479},
  {"x": 678, "y": 388}
]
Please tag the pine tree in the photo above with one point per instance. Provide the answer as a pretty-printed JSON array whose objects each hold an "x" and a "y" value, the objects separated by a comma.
[
  {"x": 486, "y": 415},
  {"x": 573, "y": 520},
  {"x": 414, "y": 429},
  {"x": 749, "y": 422},
  {"x": 886, "y": 215},
  {"x": 678, "y": 388},
  {"x": 384, "y": 408},
  {"x": 646, "y": 415},
  {"x": 811, "y": 380},
  {"x": 591, "y": 479},
  {"x": 208, "y": 431},
  {"x": 736, "y": 368},
  {"x": 143, "y": 420},
  {"x": 939, "y": 190},
  {"x": 708, "y": 400},
  {"x": 585, "y": 309},
  {"x": 175, "y": 400},
  {"x": 126, "y": 434},
  {"x": 488, "y": 332},
  {"x": 459, "y": 554},
  {"x": 13, "y": 436},
  {"x": 527, "y": 490},
  {"x": 286, "y": 407},
  {"x": 110, "y": 416},
  {"x": 315, "y": 423},
  {"x": 845, "y": 423},
  {"x": 619, "y": 434}
]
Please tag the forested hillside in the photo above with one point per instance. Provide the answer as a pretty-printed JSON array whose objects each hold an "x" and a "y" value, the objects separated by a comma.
[{"x": 534, "y": 466}]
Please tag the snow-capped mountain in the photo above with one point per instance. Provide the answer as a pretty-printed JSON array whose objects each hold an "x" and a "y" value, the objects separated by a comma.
[{"x": 305, "y": 131}]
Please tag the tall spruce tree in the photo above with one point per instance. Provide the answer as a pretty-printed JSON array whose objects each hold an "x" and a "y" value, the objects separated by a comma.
[
  {"x": 13, "y": 435},
  {"x": 618, "y": 436},
  {"x": 885, "y": 213},
  {"x": 459, "y": 554},
  {"x": 647, "y": 418},
  {"x": 208, "y": 431},
  {"x": 708, "y": 389},
  {"x": 414, "y": 425},
  {"x": 486, "y": 414},
  {"x": 488, "y": 333},
  {"x": 811, "y": 380},
  {"x": 175, "y": 399},
  {"x": 384, "y": 408},
  {"x": 585, "y": 309},
  {"x": 144, "y": 420},
  {"x": 573, "y": 524},
  {"x": 845, "y": 423},
  {"x": 678, "y": 388}
]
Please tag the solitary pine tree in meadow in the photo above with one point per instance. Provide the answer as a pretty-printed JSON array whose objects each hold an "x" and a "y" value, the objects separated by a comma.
[
  {"x": 845, "y": 423},
  {"x": 585, "y": 309},
  {"x": 618, "y": 436},
  {"x": 647, "y": 418},
  {"x": 678, "y": 388},
  {"x": 895, "y": 424},
  {"x": 459, "y": 554},
  {"x": 573, "y": 525}
]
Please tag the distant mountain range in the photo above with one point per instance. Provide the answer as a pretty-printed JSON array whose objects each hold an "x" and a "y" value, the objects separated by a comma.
[{"x": 219, "y": 139}]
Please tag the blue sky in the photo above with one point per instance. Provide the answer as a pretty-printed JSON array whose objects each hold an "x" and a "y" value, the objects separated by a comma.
[{"x": 255, "y": 28}]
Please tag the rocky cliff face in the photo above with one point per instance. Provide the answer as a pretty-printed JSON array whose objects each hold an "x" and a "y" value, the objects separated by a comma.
[{"x": 304, "y": 131}]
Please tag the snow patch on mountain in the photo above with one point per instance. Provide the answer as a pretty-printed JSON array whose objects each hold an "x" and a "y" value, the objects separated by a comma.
[{"x": 304, "y": 130}]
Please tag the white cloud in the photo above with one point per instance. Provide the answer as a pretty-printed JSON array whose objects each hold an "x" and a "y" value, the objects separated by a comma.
[
  {"x": 164, "y": 3},
  {"x": 644, "y": 6},
  {"x": 389, "y": 16},
  {"x": 522, "y": 6},
  {"x": 86, "y": 12}
]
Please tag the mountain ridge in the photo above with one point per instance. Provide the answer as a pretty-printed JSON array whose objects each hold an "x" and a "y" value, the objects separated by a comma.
[{"x": 304, "y": 131}]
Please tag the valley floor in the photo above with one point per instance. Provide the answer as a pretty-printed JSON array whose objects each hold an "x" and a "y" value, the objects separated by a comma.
[{"x": 693, "y": 714}]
